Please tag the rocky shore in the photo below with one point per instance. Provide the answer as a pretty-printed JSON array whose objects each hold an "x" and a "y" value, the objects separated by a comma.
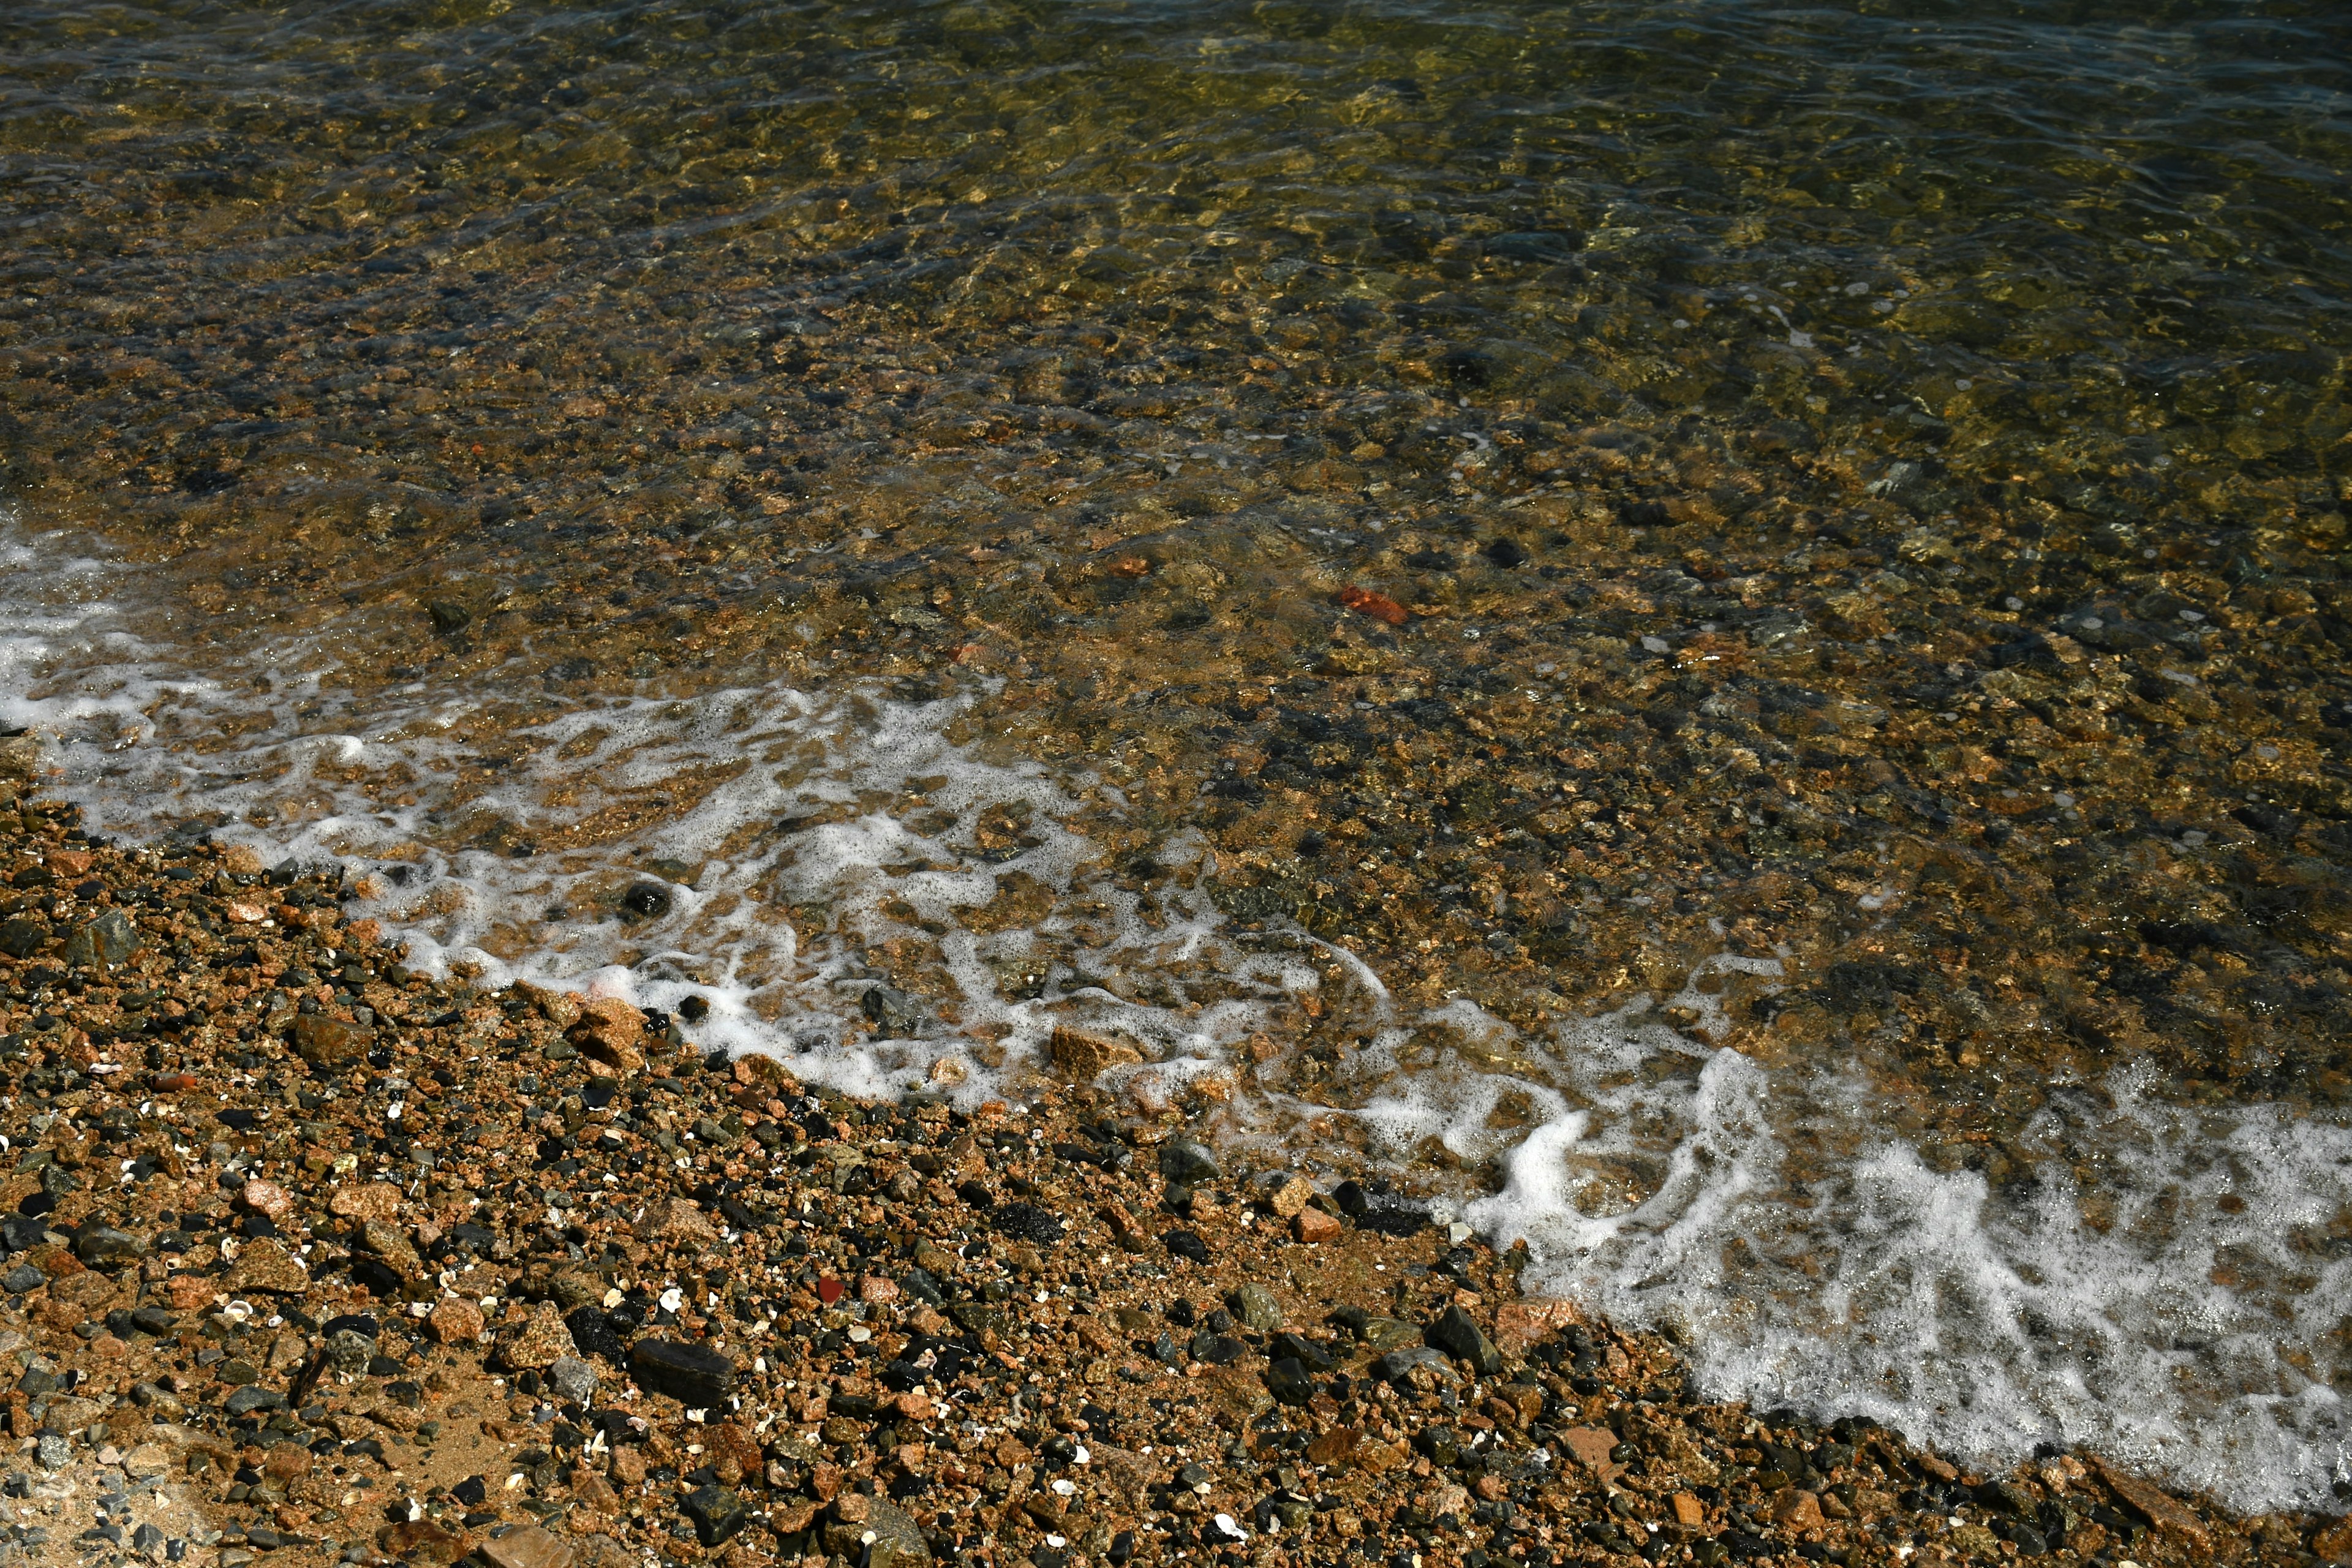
[{"x": 313, "y": 1258}]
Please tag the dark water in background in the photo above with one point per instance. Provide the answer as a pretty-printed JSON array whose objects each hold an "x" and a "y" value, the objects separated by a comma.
[{"x": 884, "y": 474}]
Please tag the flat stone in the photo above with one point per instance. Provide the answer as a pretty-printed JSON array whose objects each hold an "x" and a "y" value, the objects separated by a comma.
[
  {"x": 1458, "y": 1336},
  {"x": 390, "y": 1243},
  {"x": 268, "y": 1198},
  {"x": 1288, "y": 1199},
  {"x": 108, "y": 940},
  {"x": 364, "y": 1200},
  {"x": 1256, "y": 1306},
  {"x": 696, "y": 1378},
  {"x": 22, "y": 936},
  {"x": 1591, "y": 1446},
  {"x": 718, "y": 1514},
  {"x": 573, "y": 1379},
  {"x": 612, "y": 1032},
  {"x": 1312, "y": 1226},
  {"x": 253, "y": 1398},
  {"x": 539, "y": 1340},
  {"x": 325, "y": 1042},
  {"x": 1188, "y": 1162},
  {"x": 454, "y": 1321},
  {"x": 1794, "y": 1507},
  {"x": 675, "y": 1219},
  {"x": 262, "y": 1264},
  {"x": 425, "y": 1540},
  {"x": 2157, "y": 1509},
  {"x": 103, "y": 1247},
  {"x": 529, "y": 1547},
  {"x": 1083, "y": 1055}
]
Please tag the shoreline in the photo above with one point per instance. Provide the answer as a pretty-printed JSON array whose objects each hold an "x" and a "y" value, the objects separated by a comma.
[{"x": 460, "y": 1223}]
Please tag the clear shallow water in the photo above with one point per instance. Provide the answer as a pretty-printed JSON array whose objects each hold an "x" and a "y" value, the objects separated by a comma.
[{"x": 866, "y": 471}]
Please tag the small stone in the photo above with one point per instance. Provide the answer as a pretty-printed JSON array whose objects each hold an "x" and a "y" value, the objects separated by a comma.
[
  {"x": 695, "y": 1377},
  {"x": 1188, "y": 1162},
  {"x": 146, "y": 1459},
  {"x": 1454, "y": 1333},
  {"x": 391, "y": 1243},
  {"x": 454, "y": 1321},
  {"x": 349, "y": 1352},
  {"x": 1289, "y": 1381},
  {"x": 539, "y": 1340},
  {"x": 1083, "y": 1055},
  {"x": 529, "y": 1547},
  {"x": 561, "y": 1008},
  {"x": 328, "y": 1043},
  {"x": 262, "y": 1264},
  {"x": 612, "y": 1032},
  {"x": 1519, "y": 1325},
  {"x": 898, "y": 1541},
  {"x": 424, "y": 1541},
  {"x": 108, "y": 940},
  {"x": 52, "y": 1451},
  {"x": 878, "y": 1288},
  {"x": 253, "y": 1398},
  {"x": 2159, "y": 1509},
  {"x": 718, "y": 1514},
  {"x": 892, "y": 1012},
  {"x": 365, "y": 1200},
  {"x": 1591, "y": 1446},
  {"x": 1288, "y": 1201},
  {"x": 1256, "y": 1306},
  {"x": 675, "y": 1220},
  {"x": 103, "y": 1247},
  {"x": 1313, "y": 1225},
  {"x": 1794, "y": 1507},
  {"x": 573, "y": 1379},
  {"x": 268, "y": 1198},
  {"x": 22, "y": 936}
]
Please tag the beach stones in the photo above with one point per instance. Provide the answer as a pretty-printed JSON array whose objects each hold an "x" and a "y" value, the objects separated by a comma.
[
  {"x": 695, "y": 1376},
  {"x": 108, "y": 940}
]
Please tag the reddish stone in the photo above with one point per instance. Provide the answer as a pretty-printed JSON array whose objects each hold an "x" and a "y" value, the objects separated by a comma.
[{"x": 829, "y": 1289}]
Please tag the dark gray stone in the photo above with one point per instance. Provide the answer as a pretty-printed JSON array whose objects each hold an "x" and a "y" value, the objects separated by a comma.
[
  {"x": 718, "y": 1514},
  {"x": 103, "y": 1247},
  {"x": 1454, "y": 1333},
  {"x": 107, "y": 940},
  {"x": 1189, "y": 1163},
  {"x": 695, "y": 1377},
  {"x": 253, "y": 1398}
]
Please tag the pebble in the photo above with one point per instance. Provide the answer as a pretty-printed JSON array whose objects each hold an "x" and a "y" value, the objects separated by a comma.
[{"x": 896, "y": 1371}]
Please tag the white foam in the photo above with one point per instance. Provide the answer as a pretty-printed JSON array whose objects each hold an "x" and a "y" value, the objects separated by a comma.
[{"x": 835, "y": 838}]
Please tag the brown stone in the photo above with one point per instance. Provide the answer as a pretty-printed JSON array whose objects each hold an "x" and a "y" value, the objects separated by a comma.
[
  {"x": 1794, "y": 1507},
  {"x": 262, "y": 1264},
  {"x": 286, "y": 1462},
  {"x": 593, "y": 1493},
  {"x": 675, "y": 1220},
  {"x": 269, "y": 1198},
  {"x": 1521, "y": 1324},
  {"x": 425, "y": 1540},
  {"x": 536, "y": 1342},
  {"x": 325, "y": 1042},
  {"x": 2158, "y": 1510},
  {"x": 529, "y": 1547},
  {"x": 1083, "y": 1056},
  {"x": 1290, "y": 1199},
  {"x": 1591, "y": 1445},
  {"x": 1689, "y": 1513},
  {"x": 391, "y": 1243},
  {"x": 561, "y": 1008},
  {"x": 364, "y": 1200},
  {"x": 611, "y": 1031},
  {"x": 627, "y": 1465},
  {"x": 189, "y": 1292},
  {"x": 1313, "y": 1225},
  {"x": 454, "y": 1320}
]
